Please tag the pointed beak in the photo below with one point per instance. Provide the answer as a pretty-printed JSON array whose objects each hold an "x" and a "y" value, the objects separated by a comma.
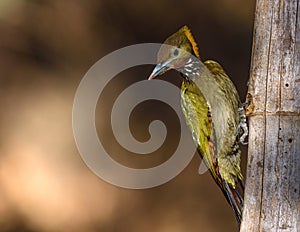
[{"x": 160, "y": 69}]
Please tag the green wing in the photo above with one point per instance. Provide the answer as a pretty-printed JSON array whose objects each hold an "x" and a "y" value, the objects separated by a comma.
[
  {"x": 229, "y": 155},
  {"x": 198, "y": 118}
]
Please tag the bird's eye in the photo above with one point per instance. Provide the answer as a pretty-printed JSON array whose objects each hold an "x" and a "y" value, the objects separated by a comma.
[{"x": 175, "y": 52}]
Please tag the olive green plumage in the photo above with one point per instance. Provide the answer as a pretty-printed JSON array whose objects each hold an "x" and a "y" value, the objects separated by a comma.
[
  {"x": 222, "y": 99},
  {"x": 210, "y": 104}
]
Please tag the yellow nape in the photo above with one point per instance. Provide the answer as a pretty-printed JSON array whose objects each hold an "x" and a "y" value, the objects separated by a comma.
[{"x": 190, "y": 37}]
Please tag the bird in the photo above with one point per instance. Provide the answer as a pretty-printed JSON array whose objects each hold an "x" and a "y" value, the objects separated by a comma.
[{"x": 212, "y": 110}]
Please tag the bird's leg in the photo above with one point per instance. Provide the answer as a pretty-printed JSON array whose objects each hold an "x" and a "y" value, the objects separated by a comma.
[{"x": 243, "y": 125}]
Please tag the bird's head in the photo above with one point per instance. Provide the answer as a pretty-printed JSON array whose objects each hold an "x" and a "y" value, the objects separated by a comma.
[{"x": 175, "y": 52}]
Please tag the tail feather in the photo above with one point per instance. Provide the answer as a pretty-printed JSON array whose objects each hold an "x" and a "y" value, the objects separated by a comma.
[{"x": 235, "y": 197}]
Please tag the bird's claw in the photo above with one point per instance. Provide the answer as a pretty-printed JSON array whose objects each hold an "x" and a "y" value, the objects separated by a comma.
[{"x": 242, "y": 127}]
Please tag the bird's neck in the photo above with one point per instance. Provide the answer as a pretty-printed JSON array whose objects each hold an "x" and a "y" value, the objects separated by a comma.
[{"x": 191, "y": 69}]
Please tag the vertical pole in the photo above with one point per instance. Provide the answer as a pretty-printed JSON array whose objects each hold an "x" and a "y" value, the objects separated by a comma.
[{"x": 272, "y": 200}]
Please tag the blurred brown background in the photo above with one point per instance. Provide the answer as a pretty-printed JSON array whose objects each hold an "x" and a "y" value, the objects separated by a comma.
[{"x": 46, "y": 46}]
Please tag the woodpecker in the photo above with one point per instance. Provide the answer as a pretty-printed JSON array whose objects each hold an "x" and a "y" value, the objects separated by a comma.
[{"x": 213, "y": 112}]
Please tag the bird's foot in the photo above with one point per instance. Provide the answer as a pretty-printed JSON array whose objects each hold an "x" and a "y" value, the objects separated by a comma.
[{"x": 243, "y": 126}]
